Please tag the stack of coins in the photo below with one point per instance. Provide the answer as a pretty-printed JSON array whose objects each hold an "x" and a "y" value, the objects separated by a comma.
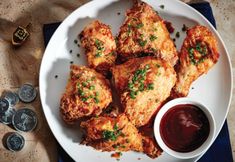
[{"x": 23, "y": 120}]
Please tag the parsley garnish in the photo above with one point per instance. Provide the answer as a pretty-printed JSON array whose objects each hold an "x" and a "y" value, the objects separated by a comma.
[
  {"x": 162, "y": 6},
  {"x": 138, "y": 26},
  {"x": 177, "y": 35},
  {"x": 112, "y": 135},
  {"x": 141, "y": 42},
  {"x": 152, "y": 37},
  {"x": 138, "y": 82}
]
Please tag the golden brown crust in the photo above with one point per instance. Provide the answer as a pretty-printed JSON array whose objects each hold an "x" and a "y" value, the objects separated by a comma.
[
  {"x": 87, "y": 93},
  {"x": 100, "y": 46},
  {"x": 145, "y": 32},
  {"x": 128, "y": 138},
  {"x": 150, "y": 147},
  {"x": 143, "y": 84},
  {"x": 198, "y": 54}
]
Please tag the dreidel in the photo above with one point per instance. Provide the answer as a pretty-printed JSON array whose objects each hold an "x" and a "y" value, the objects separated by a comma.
[{"x": 20, "y": 35}]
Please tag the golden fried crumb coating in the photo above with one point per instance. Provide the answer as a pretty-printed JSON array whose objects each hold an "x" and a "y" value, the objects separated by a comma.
[
  {"x": 144, "y": 32},
  {"x": 143, "y": 84},
  {"x": 87, "y": 93},
  {"x": 198, "y": 54},
  {"x": 117, "y": 134},
  {"x": 99, "y": 45}
]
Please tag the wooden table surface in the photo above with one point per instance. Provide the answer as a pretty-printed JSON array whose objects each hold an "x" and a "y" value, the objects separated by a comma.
[{"x": 19, "y": 66}]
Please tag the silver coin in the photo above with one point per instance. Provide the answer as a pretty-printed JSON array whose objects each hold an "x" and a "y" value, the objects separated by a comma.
[
  {"x": 15, "y": 142},
  {"x": 6, "y": 118},
  {"x": 12, "y": 98},
  {"x": 27, "y": 93},
  {"x": 4, "y": 105},
  {"x": 24, "y": 120}
]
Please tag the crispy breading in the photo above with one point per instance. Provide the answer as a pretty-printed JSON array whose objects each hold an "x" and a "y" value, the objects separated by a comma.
[
  {"x": 117, "y": 134},
  {"x": 143, "y": 84},
  {"x": 87, "y": 93},
  {"x": 99, "y": 46},
  {"x": 198, "y": 54},
  {"x": 144, "y": 32}
]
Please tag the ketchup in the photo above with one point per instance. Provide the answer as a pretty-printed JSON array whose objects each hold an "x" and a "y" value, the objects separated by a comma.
[{"x": 184, "y": 128}]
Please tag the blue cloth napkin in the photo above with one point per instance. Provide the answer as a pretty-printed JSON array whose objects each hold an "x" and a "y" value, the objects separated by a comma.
[{"x": 220, "y": 151}]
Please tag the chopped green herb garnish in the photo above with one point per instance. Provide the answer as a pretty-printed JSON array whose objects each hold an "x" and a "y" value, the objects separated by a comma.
[
  {"x": 119, "y": 153},
  {"x": 98, "y": 44},
  {"x": 152, "y": 37},
  {"x": 162, "y": 6},
  {"x": 96, "y": 100},
  {"x": 141, "y": 87},
  {"x": 84, "y": 99},
  {"x": 98, "y": 55},
  {"x": 115, "y": 146},
  {"x": 177, "y": 35},
  {"x": 137, "y": 85},
  {"x": 112, "y": 135},
  {"x": 141, "y": 42},
  {"x": 184, "y": 28},
  {"x": 84, "y": 84},
  {"x": 130, "y": 85},
  {"x": 147, "y": 66},
  {"x": 150, "y": 86},
  {"x": 96, "y": 94},
  {"x": 198, "y": 47},
  {"x": 203, "y": 52},
  {"x": 191, "y": 56},
  {"x": 92, "y": 87},
  {"x": 109, "y": 135},
  {"x": 138, "y": 26},
  {"x": 115, "y": 127},
  {"x": 132, "y": 94},
  {"x": 129, "y": 29}
]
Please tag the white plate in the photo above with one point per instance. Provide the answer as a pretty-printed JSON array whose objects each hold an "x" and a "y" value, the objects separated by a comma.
[{"x": 213, "y": 89}]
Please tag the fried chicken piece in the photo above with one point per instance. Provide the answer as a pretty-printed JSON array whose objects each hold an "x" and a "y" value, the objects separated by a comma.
[
  {"x": 150, "y": 147},
  {"x": 198, "y": 54},
  {"x": 143, "y": 84},
  {"x": 117, "y": 134},
  {"x": 87, "y": 93},
  {"x": 99, "y": 45},
  {"x": 144, "y": 32}
]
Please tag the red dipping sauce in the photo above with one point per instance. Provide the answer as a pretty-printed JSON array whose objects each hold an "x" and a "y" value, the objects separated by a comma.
[{"x": 184, "y": 128}]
